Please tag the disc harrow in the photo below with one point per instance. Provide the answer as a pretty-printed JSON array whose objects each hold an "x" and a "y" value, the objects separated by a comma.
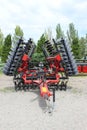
[
  {"x": 66, "y": 53},
  {"x": 47, "y": 77},
  {"x": 15, "y": 56}
]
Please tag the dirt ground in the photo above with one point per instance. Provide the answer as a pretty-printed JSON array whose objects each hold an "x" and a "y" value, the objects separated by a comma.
[{"x": 26, "y": 110}]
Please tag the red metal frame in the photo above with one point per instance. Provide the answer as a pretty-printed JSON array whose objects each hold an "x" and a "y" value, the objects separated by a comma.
[{"x": 42, "y": 84}]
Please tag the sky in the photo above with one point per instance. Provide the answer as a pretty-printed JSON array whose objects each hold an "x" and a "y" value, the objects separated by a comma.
[{"x": 36, "y": 16}]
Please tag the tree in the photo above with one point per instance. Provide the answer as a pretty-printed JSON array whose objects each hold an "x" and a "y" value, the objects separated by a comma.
[
  {"x": 37, "y": 57},
  {"x": 82, "y": 46},
  {"x": 48, "y": 34},
  {"x": 6, "y": 48},
  {"x": 59, "y": 32},
  {"x": 76, "y": 48},
  {"x": 40, "y": 43},
  {"x": 18, "y": 33},
  {"x": 1, "y": 37},
  {"x": 72, "y": 33},
  {"x": 1, "y": 41},
  {"x": 85, "y": 45}
]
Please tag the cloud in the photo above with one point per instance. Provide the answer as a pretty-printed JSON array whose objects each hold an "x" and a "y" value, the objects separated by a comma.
[{"x": 34, "y": 16}]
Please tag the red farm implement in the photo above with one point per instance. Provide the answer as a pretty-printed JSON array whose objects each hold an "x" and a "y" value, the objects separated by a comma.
[
  {"x": 49, "y": 76},
  {"x": 82, "y": 66}
]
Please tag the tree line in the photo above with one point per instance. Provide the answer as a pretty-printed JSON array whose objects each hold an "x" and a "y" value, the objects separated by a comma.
[{"x": 78, "y": 44}]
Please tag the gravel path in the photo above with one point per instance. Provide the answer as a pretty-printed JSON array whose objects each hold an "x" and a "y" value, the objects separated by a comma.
[{"x": 25, "y": 110}]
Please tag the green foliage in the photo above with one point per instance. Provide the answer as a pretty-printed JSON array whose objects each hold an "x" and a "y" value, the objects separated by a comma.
[
  {"x": 86, "y": 45},
  {"x": 1, "y": 46},
  {"x": 40, "y": 43},
  {"x": 73, "y": 33},
  {"x": 59, "y": 32},
  {"x": 37, "y": 57},
  {"x": 1, "y": 41},
  {"x": 82, "y": 47},
  {"x": 76, "y": 48},
  {"x": 1, "y": 37},
  {"x": 6, "y": 48},
  {"x": 18, "y": 33}
]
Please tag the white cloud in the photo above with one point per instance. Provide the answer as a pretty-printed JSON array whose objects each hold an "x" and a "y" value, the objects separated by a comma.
[
  {"x": 81, "y": 6},
  {"x": 34, "y": 16}
]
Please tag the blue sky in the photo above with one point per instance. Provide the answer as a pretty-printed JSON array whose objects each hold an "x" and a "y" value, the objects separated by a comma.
[{"x": 36, "y": 16}]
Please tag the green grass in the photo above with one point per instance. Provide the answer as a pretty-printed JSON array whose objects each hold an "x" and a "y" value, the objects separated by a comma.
[
  {"x": 7, "y": 89},
  {"x": 1, "y": 72}
]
